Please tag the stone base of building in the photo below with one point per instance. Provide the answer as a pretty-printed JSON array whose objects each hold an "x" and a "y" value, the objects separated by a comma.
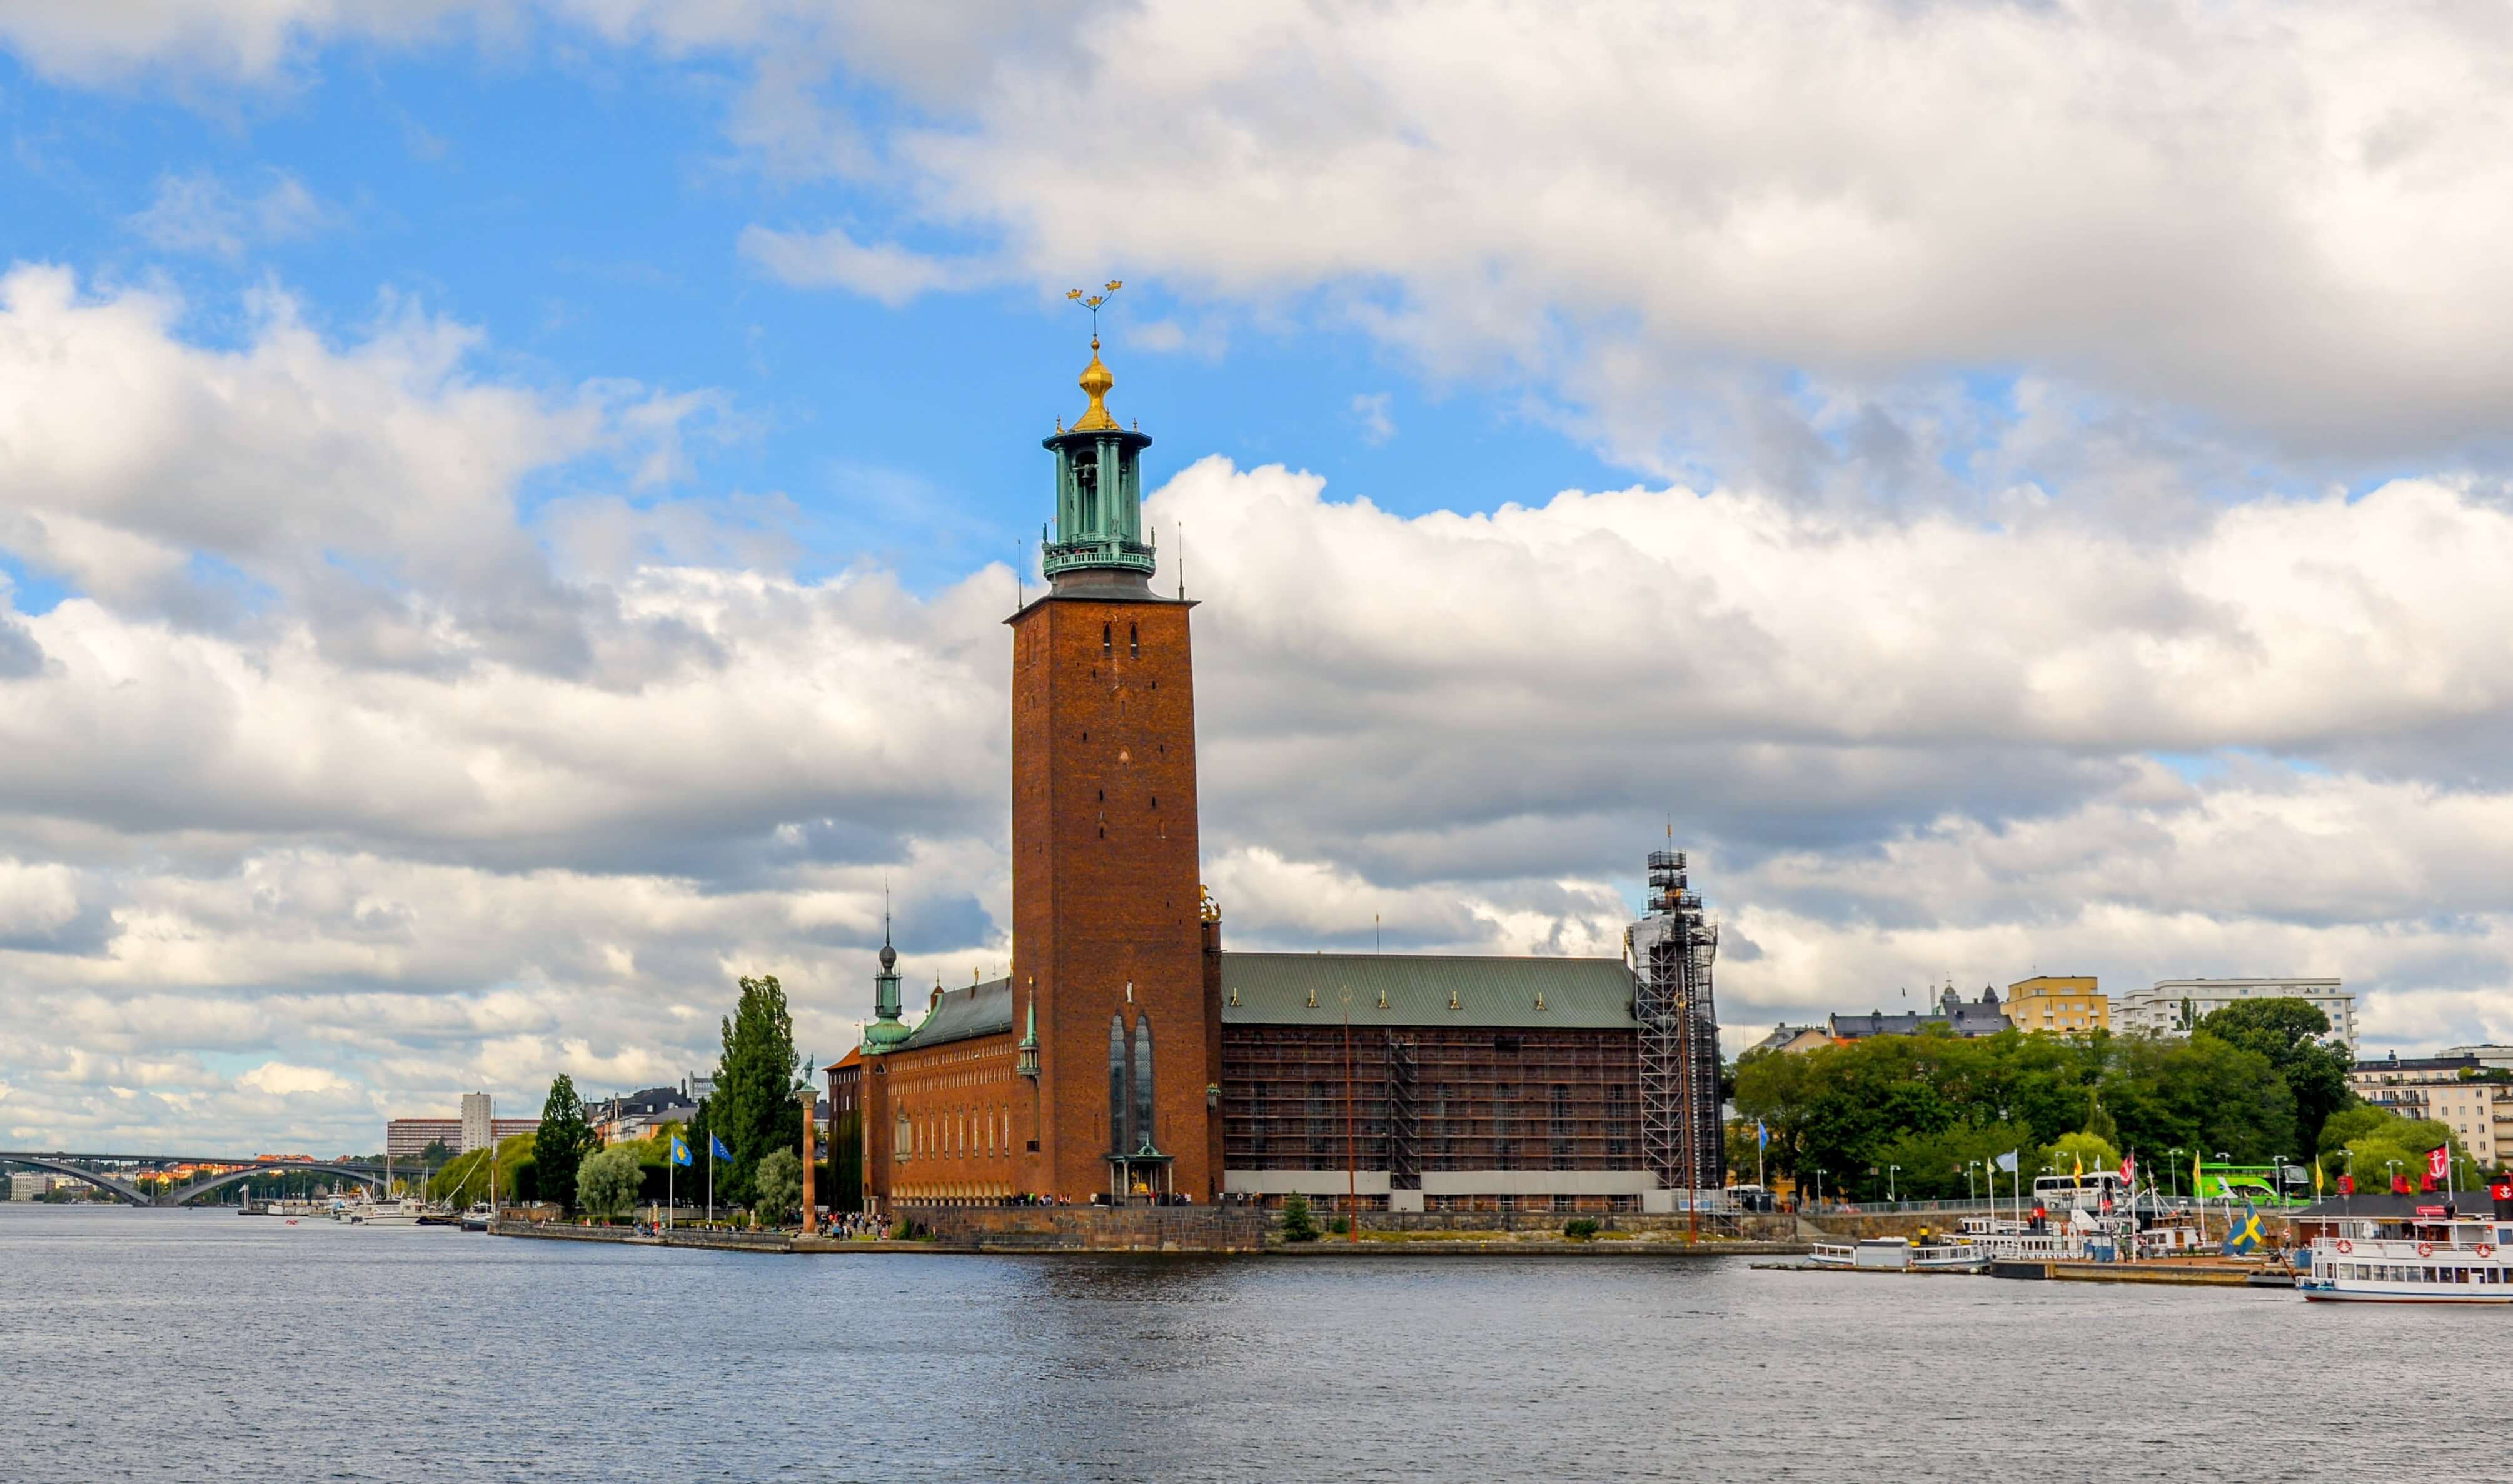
[{"x": 1093, "y": 1229}]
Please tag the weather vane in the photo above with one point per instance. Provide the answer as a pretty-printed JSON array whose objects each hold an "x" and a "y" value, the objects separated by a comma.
[{"x": 1093, "y": 302}]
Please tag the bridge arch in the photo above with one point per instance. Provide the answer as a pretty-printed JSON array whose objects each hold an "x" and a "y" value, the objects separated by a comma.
[
  {"x": 201, "y": 1188},
  {"x": 124, "y": 1188}
]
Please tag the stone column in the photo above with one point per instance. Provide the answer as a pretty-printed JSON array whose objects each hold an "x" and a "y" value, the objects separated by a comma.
[{"x": 811, "y": 1100}]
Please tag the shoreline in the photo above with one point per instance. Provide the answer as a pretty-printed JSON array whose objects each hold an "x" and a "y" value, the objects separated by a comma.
[{"x": 795, "y": 1245}]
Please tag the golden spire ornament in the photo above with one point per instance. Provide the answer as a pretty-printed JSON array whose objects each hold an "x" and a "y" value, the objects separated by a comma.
[{"x": 1097, "y": 378}]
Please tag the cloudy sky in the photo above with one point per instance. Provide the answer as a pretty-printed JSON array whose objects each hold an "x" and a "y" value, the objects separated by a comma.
[{"x": 505, "y": 508}]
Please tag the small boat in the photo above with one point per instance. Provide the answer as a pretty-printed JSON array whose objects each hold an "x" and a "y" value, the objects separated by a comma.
[
  {"x": 478, "y": 1217},
  {"x": 2434, "y": 1255},
  {"x": 1894, "y": 1254},
  {"x": 405, "y": 1212}
]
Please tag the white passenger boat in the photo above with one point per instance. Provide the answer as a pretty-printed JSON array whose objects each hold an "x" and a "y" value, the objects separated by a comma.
[
  {"x": 2431, "y": 1257},
  {"x": 404, "y": 1212},
  {"x": 478, "y": 1217},
  {"x": 1894, "y": 1254}
]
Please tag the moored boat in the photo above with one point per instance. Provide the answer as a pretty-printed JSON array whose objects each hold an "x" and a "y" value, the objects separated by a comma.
[{"x": 2431, "y": 1256}]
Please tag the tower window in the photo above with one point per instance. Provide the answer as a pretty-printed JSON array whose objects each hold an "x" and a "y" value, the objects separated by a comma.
[
  {"x": 1133, "y": 645},
  {"x": 1107, "y": 644},
  {"x": 1156, "y": 800}
]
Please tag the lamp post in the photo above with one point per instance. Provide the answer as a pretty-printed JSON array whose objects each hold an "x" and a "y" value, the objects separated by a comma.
[
  {"x": 2174, "y": 1158},
  {"x": 1891, "y": 1171},
  {"x": 1969, "y": 1195},
  {"x": 1819, "y": 1173},
  {"x": 2278, "y": 1163}
]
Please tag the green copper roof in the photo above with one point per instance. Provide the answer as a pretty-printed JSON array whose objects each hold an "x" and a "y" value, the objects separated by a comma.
[
  {"x": 1276, "y": 989},
  {"x": 980, "y": 1009}
]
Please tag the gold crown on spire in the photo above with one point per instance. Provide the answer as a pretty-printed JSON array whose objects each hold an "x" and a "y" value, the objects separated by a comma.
[{"x": 1097, "y": 378}]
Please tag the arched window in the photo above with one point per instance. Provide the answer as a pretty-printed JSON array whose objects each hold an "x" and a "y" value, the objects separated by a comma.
[
  {"x": 1118, "y": 1103},
  {"x": 1133, "y": 645},
  {"x": 1143, "y": 1081},
  {"x": 1107, "y": 644}
]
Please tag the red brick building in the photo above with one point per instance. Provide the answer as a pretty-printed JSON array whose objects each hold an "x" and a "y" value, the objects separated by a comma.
[{"x": 1128, "y": 1058}]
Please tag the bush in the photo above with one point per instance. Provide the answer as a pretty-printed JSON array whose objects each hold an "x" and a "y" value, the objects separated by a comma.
[
  {"x": 1299, "y": 1225},
  {"x": 1342, "y": 1225},
  {"x": 605, "y": 1185},
  {"x": 1580, "y": 1229},
  {"x": 780, "y": 1182}
]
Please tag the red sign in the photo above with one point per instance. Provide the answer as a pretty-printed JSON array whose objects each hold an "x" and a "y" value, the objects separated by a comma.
[
  {"x": 2347, "y": 1184},
  {"x": 2501, "y": 1190},
  {"x": 2430, "y": 1213}
]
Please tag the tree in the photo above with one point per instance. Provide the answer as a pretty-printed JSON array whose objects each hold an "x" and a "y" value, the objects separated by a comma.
[
  {"x": 607, "y": 1184},
  {"x": 2070, "y": 1152},
  {"x": 780, "y": 1182},
  {"x": 756, "y": 1108},
  {"x": 2290, "y": 1033},
  {"x": 562, "y": 1142},
  {"x": 1299, "y": 1225}
]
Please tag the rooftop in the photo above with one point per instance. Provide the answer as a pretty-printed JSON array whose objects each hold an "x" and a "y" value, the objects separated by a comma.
[{"x": 1425, "y": 990}]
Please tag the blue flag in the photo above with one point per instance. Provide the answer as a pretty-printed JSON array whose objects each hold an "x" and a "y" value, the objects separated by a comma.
[
  {"x": 715, "y": 1146},
  {"x": 680, "y": 1151},
  {"x": 1762, "y": 1135}
]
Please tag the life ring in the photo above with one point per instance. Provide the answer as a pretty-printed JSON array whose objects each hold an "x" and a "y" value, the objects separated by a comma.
[
  {"x": 2425, "y": 1249},
  {"x": 2345, "y": 1246},
  {"x": 2485, "y": 1249}
]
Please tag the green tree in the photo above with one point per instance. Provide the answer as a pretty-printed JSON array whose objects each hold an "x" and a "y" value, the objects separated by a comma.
[
  {"x": 2289, "y": 1033},
  {"x": 2070, "y": 1152},
  {"x": 1299, "y": 1224},
  {"x": 780, "y": 1182},
  {"x": 561, "y": 1143},
  {"x": 756, "y": 1108},
  {"x": 608, "y": 1183}
]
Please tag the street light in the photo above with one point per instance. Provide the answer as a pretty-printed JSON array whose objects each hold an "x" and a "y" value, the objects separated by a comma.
[
  {"x": 1891, "y": 1171},
  {"x": 1819, "y": 1173},
  {"x": 2279, "y": 1188},
  {"x": 2175, "y": 1165},
  {"x": 1969, "y": 1195}
]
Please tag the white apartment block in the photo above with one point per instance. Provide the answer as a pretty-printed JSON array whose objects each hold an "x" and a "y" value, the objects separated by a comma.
[
  {"x": 2174, "y": 1005},
  {"x": 478, "y": 1112}
]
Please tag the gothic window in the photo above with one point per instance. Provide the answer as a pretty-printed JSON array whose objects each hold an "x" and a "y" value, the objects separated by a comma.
[
  {"x": 1133, "y": 645},
  {"x": 1143, "y": 1080},
  {"x": 1107, "y": 644},
  {"x": 1118, "y": 1102}
]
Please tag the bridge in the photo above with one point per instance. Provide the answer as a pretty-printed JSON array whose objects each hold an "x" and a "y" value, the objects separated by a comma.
[{"x": 122, "y": 1180}]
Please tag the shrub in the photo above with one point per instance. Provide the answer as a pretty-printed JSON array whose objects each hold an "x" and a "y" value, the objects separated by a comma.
[
  {"x": 1299, "y": 1225},
  {"x": 605, "y": 1185},
  {"x": 1580, "y": 1229}
]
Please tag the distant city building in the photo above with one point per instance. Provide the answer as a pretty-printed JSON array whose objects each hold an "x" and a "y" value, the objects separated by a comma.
[
  {"x": 1954, "y": 1013},
  {"x": 2444, "y": 1089},
  {"x": 478, "y": 1109},
  {"x": 409, "y": 1138},
  {"x": 2066, "y": 1004},
  {"x": 2175, "y": 1005},
  {"x": 640, "y": 1113},
  {"x": 2488, "y": 1054},
  {"x": 1788, "y": 1037}
]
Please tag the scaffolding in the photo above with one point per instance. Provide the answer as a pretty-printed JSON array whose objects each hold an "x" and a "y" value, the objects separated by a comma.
[
  {"x": 1672, "y": 948},
  {"x": 1404, "y": 1118}
]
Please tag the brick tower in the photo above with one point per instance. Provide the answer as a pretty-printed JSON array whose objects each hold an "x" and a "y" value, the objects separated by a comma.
[{"x": 1122, "y": 1049}]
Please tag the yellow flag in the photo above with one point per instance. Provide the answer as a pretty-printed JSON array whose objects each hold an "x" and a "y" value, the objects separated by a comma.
[
  {"x": 2194, "y": 1173},
  {"x": 2081, "y": 1166},
  {"x": 2316, "y": 1179}
]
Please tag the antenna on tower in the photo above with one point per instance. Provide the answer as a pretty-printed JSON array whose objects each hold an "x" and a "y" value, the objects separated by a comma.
[
  {"x": 1020, "y": 588},
  {"x": 1180, "y": 529}
]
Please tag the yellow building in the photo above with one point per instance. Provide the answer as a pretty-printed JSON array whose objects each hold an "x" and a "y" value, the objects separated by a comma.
[{"x": 2064, "y": 1004}]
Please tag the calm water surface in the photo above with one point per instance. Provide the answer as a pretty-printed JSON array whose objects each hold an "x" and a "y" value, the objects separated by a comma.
[{"x": 171, "y": 1344}]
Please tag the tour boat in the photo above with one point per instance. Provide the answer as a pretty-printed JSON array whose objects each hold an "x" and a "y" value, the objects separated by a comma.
[
  {"x": 1894, "y": 1254},
  {"x": 404, "y": 1212},
  {"x": 2432, "y": 1257}
]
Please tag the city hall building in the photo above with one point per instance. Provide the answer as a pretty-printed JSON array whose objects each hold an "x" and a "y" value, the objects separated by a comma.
[{"x": 1130, "y": 1058}]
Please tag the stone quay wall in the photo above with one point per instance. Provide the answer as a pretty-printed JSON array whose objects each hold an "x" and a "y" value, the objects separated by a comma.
[{"x": 1093, "y": 1229}]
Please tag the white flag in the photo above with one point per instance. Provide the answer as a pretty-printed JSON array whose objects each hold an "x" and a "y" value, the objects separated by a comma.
[{"x": 2007, "y": 1161}]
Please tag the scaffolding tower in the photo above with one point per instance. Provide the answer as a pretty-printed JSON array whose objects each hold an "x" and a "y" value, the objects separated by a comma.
[{"x": 1672, "y": 948}]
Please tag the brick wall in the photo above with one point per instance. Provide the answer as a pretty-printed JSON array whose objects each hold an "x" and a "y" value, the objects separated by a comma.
[{"x": 1105, "y": 880}]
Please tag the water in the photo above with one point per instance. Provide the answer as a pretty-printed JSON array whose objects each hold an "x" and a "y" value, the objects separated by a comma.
[{"x": 148, "y": 1345}]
